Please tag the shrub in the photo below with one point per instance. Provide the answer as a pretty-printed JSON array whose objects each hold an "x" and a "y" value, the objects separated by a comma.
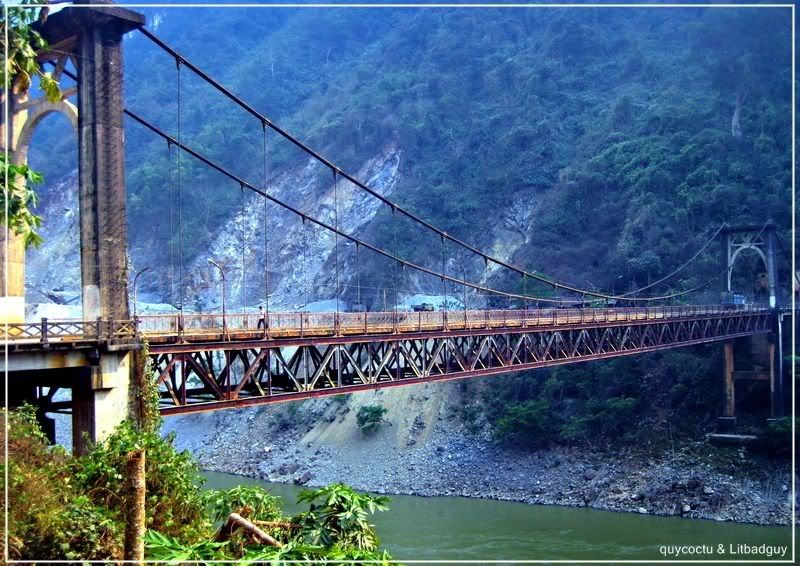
[
  {"x": 174, "y": 505},
  {"x": 338, "y": 516},
  {"x": 602, "y": 419},
  {"x": 530, "y": 423},
  {"x": 65, "y": 508},
  {"x": 259, "y": 503},
  {"x": 370, "y": 417},
  {"x": 49, "y": 518},
  {"x": 779, "y": 435}
]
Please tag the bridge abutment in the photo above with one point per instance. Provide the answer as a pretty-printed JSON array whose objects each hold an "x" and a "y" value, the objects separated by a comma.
[{"x": 100, "y": 400}]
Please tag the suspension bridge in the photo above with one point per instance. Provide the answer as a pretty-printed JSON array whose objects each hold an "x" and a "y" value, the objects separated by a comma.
[{"x": 209, "y": 361}]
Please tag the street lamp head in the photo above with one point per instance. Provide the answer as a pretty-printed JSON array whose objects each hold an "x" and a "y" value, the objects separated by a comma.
[{"x": 218, "y": 266}]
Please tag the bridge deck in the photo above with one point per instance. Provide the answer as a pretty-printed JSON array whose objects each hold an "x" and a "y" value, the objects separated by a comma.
[
  {"x": 209, "y": 370},
  {"x": 161, "y": 330},
  {"x": 203, "y": 362}
]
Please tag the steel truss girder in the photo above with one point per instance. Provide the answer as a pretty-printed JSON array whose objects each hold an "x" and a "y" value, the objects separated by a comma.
[{"x": 209, "y": 378}]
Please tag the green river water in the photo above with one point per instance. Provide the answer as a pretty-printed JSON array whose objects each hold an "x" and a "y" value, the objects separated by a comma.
[{"x": 459, "y": 528}]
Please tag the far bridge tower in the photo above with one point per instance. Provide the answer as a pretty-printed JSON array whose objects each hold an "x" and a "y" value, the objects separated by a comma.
[{"x": 758, "y": 357}]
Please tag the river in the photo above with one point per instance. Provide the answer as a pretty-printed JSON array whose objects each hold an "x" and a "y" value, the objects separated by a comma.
[{"x": 459, "y": 528}]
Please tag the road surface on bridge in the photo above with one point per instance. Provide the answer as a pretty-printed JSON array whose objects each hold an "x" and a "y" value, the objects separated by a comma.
[{"x": 192, "y": 328}]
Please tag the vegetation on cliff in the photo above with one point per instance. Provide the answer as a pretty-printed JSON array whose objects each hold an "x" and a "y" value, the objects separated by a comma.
[{"x": 609, "y": 142}]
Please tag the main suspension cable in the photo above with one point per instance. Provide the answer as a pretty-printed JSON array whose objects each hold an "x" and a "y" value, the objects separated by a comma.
[
  {"x": 264, "y": 120},
  {"x": 345, "y": 235},
  {"x": 268, "y": 123},
  {"x": 681, "y": 267}
]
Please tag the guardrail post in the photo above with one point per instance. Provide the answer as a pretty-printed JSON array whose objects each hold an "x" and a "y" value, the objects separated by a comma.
[
  {"x": 301, "y": 324},
  {"x": 44, "y": 330},
  {"x": 111, "y": 328},
  {"x": 99, "y": 327}
]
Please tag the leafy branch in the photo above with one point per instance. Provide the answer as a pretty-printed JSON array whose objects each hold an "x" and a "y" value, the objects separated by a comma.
[
  {"x": 18, "y": 71},
  {"x": 24, "y": 42},
  {"x": 17, "y": 199}
]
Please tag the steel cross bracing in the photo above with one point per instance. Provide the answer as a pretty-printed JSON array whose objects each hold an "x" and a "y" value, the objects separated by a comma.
[{"x": 196, "y": 375}]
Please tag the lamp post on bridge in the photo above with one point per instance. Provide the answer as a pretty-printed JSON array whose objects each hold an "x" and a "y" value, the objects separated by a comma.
[
  {"x": 135, "y": 290},
  {"x": 614, "y": 291},
  {"x": 614, "y": 285},
  {"x": 224, "y": 313},
  {"x": 464, "y": 269}
]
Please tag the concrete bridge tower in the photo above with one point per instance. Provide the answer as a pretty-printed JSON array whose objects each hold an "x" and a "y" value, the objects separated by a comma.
[
  {"x": 762, "y": 354},
  {"x": 99, "y": 377}
]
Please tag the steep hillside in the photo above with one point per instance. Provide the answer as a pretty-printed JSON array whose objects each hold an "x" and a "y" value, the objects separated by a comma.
[
  {"x": 599, "y": 146},
  {"x": 610, "y": 142}
]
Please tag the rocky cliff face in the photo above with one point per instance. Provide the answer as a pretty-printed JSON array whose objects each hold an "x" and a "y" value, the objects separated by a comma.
[{"x": 300, "y": 256}]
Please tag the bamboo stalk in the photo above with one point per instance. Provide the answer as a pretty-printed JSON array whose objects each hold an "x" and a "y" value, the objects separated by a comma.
[{"x": 135, "y": 506}]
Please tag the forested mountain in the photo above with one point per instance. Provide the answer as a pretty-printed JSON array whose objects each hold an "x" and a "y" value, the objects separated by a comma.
[
  {"x": 614, "y": 141},
  {"x": 599, "y": 146}
]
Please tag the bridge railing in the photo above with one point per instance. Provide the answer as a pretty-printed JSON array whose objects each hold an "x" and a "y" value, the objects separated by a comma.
[
  {"x": 310, "y": 324},
  {"x": 316, "y": 324},
  {"x": 47, "y": 330}
]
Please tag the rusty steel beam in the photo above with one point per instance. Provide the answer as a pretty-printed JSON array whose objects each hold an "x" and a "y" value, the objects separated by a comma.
[{"x": 261, "y": 374}]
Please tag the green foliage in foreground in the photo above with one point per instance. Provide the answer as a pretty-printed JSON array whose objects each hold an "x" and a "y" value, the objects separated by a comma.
[
  {"x": 175, "y": 504},
  {"x": 50, "y": 515},
  {"x": 370, "y": 417},
  {"x": 18, "y": 71},
  {"x": 167, "y": 549},
  {"x": 66, "y": 508},
  {"x": 338, "y": 516},
  {"x": 19, "y": 199},
  {"x": 259, "y": 502}
]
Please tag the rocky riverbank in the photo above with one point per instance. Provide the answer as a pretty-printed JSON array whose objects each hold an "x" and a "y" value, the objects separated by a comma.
[{"x": 424, "y": 449}]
